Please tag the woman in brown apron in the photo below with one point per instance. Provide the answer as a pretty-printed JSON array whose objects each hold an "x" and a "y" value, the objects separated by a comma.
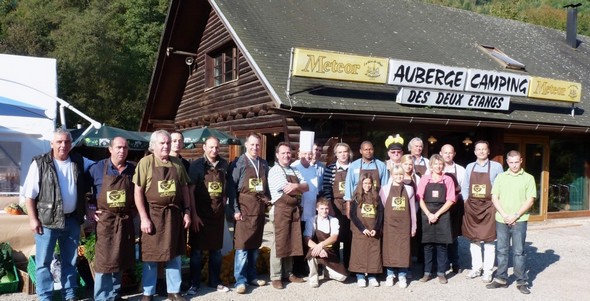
[
  {"x": 210, "y": 193},
  {"x": 366, "y": 216},
  {"x": 115, "y": 235},
  {"x": 479, "y": 223},
  {"x": 437, "y": 194},
  {"x": 399, "y": 226}
]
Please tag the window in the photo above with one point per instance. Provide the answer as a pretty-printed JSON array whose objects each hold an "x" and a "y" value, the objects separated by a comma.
[
  {"x": 503, "y": 58},
  {"x": 222, "y": 65},
  {"x": 9, "y": 167}
]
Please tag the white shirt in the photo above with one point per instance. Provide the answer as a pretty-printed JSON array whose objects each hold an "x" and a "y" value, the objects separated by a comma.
[
  {"x": 66, "y": 179},
  {"x": 322, "y": 225},
  {"x": 277, "y": 180},
  {"x": 308, "y": 198}
]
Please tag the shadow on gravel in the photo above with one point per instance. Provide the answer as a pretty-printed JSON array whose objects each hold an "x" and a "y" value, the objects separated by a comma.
[{"x": 537, "y": 262}]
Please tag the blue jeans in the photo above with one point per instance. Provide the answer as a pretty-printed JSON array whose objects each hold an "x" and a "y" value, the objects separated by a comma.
[
  {"x": 173, "y": 276},
  {"x": 107, "y": 286},
  {"x": 214, "y": 267},
  {"x": 453, "y": 252},
  {"x": 401, "y": 272},
  {"x": 441, "y": 258},
  {"x": 518, "y": 235},
  {"x": 69, "y": 239},
  {"x": 245, "y": 266}
]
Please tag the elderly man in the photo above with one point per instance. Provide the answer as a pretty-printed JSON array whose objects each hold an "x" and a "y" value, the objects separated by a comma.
[
  {"x": 457, "y": 173},
  {"x": 249, "y": 196},
  {"x": 367, "y": 164},
  {"x": 208, "y": 177},
  {"x": 394, "y": 151},
  {"x": 333, "y": 190},
  {"x": 54, "y": 192},
  {"x": 286, "y": 186},
  {"x": 513, "y": 194},
  {"x": 115, "y": 235},
  {"x": 421, "y": 164},
  {"x": 478, "y": 219},
  {"x": 163, "y": 202}
]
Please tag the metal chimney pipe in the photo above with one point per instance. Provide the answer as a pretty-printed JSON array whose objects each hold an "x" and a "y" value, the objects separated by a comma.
[{"x": 571, "y": 37}]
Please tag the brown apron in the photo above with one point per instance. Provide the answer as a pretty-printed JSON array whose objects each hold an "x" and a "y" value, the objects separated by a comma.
[
  {"x": 164, "y": 199},
  {"x": 332, "y": 260},
  {"x": 338, "y": 206},
  {"x": 115, "y": 235},
  {"x": 210, "y": 196},
  {"x": 456, "y": 210},
  {"x": 287, "y": 223},
  {"x": 420, "y": 169},
  {"x": 397, "y": 228},
  {"x": 439, "y": 232},
  {"x": 365, "y": 254},
  {"x": 374, "y": 174},
  {"x": 248, "y": 231},
  {"x": 478, "y": 221}
]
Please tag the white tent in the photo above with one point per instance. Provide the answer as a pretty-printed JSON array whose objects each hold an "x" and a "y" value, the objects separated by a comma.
[{"x": 28, "y": 88}]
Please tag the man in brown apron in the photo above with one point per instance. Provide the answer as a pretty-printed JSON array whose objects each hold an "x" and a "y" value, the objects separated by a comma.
[
  {"x": 286, "y": 186},
  {"x": 163, "y": 203},
  {"x": 457, "y": 173},
  {"x": 321, "y": 236},
  {"x": 367, "y": 164},
  {"x": 249, "y": 196},
  {"x": 333, "y": 190},
  {"x": 478, "y": 220},
  {"x": 115, "y": 235},
  {"x": 421, "y": 164},
  {"x": 208, "y": 189}
]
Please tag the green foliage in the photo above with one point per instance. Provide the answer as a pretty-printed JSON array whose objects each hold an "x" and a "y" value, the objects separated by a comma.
[
  {"x": 548, "y": 13},
  {"x": 6, "y": 264},
  {"x": 89, "y": 244},
  {"x": 105, "y": 50}
]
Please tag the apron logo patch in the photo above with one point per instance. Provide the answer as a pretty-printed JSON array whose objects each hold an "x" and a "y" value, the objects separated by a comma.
[
  {"x": 368, "y": 210},
  {"x": 255, "y": 185},
  {"x": 398, "y": 203},
  {"x": 341, "y": 186},
  {"x": 116, "y": 198},
  {"x": 435, "y": 193},
  {"x": 214, "y": 188},
  {"x": 478, "y": 190},
  {"x": 167, "y": 188}
]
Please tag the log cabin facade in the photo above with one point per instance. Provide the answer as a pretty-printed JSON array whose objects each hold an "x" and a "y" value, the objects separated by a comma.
[{"x": 226, "y": 65}]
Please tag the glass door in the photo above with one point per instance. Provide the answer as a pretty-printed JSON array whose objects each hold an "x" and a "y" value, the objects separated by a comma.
[{"x": 535, "y": 156}]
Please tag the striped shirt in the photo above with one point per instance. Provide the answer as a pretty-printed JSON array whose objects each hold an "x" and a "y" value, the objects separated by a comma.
[{"x": 329, "y": 176}]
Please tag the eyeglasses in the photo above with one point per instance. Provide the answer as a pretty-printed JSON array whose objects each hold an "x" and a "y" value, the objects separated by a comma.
[{"x": 396, "y": 151}]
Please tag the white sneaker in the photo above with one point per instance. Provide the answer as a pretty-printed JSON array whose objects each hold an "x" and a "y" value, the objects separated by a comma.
[
  {"x": 486, "y": 278},
  {"x": 222, "y": 288},
  {"x": 402, "y": 283},
  {"x": 373, "y": 282},
  {"x": 314, "y": 284},
  {"x": 473, "y": 274},
  {"x": 389, "y": 280},
  {"x": 192, "y": 290},
  {"x": 361, "y": 283}
]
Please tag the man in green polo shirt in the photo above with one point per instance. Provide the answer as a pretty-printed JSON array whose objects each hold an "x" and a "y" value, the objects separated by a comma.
[{"x": 513, "y": 193}]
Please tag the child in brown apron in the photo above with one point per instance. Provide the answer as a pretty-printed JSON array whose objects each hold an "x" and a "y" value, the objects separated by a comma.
[{"x": 366, "y": 216}]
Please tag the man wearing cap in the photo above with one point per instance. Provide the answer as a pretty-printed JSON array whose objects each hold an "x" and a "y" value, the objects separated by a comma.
[{"x": 394, "y": 151}]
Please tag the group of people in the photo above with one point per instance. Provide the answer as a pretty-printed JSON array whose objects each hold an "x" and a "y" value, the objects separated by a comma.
[{"x": 382, "y": 213}]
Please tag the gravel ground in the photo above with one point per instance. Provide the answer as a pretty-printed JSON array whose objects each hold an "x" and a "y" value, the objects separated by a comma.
[{"x": 557, "y": 258}]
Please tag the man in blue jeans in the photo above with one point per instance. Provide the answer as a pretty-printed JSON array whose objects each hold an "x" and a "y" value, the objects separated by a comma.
[
  {"x": 513, "y": 194},
  {"x": 54, "y": 192}
]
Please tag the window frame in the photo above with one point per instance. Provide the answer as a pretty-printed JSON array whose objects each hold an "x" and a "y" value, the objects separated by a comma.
[
  {"x": 498, "y": 55},
  {"x": 216, "y": 64}
]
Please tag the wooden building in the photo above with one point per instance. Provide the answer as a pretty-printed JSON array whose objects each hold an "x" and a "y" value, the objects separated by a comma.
[{"x": 229, "y": 65}]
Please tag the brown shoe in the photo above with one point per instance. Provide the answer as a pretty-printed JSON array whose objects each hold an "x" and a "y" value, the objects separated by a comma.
[
  {"x": 277, "y": 284},
  {"x": 175, "y": 297},
  {"x": 442, "y": 279},
  {"x": 425, "y": 278},
  {"x": 147, "y": 298},
  {"x": 296, "y": 279}
]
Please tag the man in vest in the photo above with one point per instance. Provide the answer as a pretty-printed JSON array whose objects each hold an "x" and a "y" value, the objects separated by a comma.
[{"x": 54, "y": 192}]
